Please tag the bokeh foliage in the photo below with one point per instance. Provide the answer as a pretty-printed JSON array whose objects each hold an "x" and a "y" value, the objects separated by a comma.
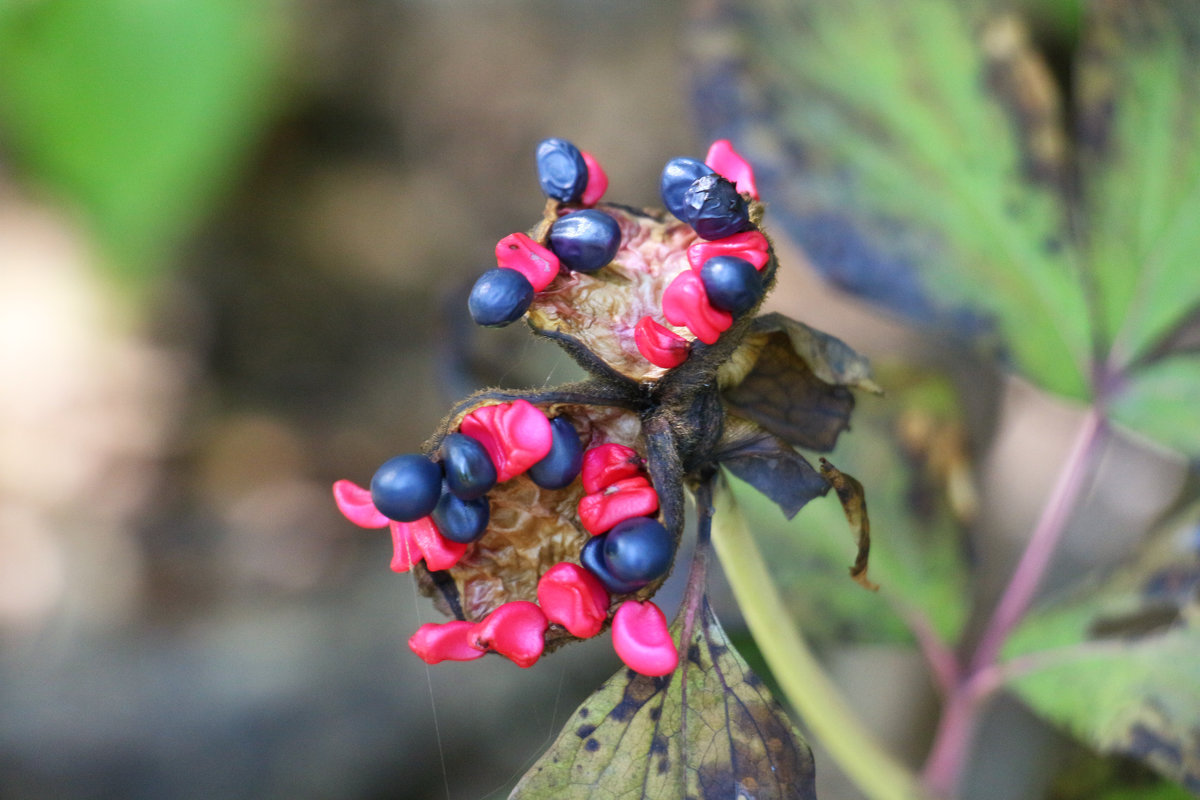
[{"x": 137, "y": 114}]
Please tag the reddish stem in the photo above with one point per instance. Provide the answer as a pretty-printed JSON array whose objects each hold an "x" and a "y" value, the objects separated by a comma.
[
  {"x": 1044, "y": 541},
  {"x": 960, "y": 716},
  {"x": 942, "y": 661}
]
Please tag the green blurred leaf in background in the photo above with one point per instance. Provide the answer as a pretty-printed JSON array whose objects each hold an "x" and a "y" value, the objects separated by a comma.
[
  {"x": 1118, "y": 662},
  {"x": 137, "y": 112},
  {"x": 909, "y": 450},
  {"x": 919, "y": 153},
  {"x": 921, "y": 165}
]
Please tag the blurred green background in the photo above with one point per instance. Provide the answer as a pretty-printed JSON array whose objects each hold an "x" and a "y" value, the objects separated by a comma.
[{"x": 235, "y": 242}]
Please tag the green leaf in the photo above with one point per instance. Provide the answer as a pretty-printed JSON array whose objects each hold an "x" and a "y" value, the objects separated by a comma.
[
  {"x": 709, "y": 730},
  {"x": 1159, "y": 791},
  {"x": 908, "y": 451},
  {"x": 1118, "y": 663},
  {"x": 916, "y": 151},
  {"x": 1139, "y": 90},
  {"x": 1161, "y": 403},
  {"x": 137, "y": 112},
  {"x": 1140, "y": 110}
]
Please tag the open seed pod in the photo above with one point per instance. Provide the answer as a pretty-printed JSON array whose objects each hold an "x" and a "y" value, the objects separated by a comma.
[
  {"x": 596, "y": 315},
  {"x": 532, "y": 528},
  {"x": 561, "y": 509}
]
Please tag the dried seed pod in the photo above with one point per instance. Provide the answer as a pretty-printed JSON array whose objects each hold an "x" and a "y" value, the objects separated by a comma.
[{"x": 677, "y": 387}]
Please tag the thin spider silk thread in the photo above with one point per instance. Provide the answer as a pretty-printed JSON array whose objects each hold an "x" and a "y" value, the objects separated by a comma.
[{"x": 437, "y": 729}]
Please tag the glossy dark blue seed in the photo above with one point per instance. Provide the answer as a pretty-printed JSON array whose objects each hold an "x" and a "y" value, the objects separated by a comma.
[
  {"x": 585, "y": 240},
  {"x": 469, "y": 470},
  {"x": 714, "y": 209},
  {"x": 732, "y": 284},
  {"x": 592, "y": 559},
  {"x": 406, "y": 487},
  {"x": 562, "y": 172},
  {"x": 562, "y": 464},
  {"x": 460, "y": 520},
  {"x": 499, "y": 297},
  {"x": 638, "y": 550},
  {"x": 677, "y": 176}
]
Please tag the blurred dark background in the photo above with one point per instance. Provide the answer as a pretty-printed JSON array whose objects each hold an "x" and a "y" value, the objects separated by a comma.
[
  {"x": 235, "y": 241},
  {"x": 183, "y": 613}
]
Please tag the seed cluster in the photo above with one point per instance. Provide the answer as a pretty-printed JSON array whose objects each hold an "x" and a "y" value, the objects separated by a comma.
[
  {"x": 500, "y": 466},
  {"x": 709, "y": 196},
  {"x": 437, "y": 507}
]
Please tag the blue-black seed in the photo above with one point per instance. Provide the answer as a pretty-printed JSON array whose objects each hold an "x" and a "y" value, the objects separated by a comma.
[
  {"x": 499, "y": 297},
  {"x": 585, "y": 240},
  {"x": 469, "y": 470},
  {"x": 638, "y": 550},
  {"x": 592, "y": 559},
  {"x": 406, "y": 487},
  {"x": 713, "y": 207},
  {"x": 562, "y": 172},
  {"x": 732, "y": 283},
  {"x": 459, "y": 520},
  {"x": 562, "y": 464},
  {"x": 677, "y": 176}
]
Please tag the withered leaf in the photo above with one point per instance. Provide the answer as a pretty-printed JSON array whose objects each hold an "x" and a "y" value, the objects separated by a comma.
[
  {"x": 830, "y": 359},
  {"x": 709, "y": 731},
  {"x": 795, "y": 381},
  {"x": 910, "y": 455},
  {"x": 769, "y": 464},
  {"x": 854, "y": 502}
]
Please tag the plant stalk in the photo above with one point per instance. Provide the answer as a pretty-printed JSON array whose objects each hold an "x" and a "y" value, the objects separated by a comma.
[
  {"x": 811, "y": 692},
  {"x": 1045, "y": 539},
  {"x": 948, "y": 756}
]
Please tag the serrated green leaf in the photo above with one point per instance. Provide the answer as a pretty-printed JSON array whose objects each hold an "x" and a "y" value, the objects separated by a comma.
[
  {"x": 915, "y": 150},
  {"x": 1118, "y": 663},
  {"x": 710, "y": 730},
  {"x": 1160, "y": 402},
  {"x": 916, "y": 555},
  {"x": 136, "y": 111},
  {"x": 1139, "y": 90}
]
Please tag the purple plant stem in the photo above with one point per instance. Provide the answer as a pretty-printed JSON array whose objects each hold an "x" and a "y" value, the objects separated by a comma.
[
  {"x": 1044, "y": 541},
  {"x": 956, "y": 728},
  {"x": 943, "y": 663}
]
